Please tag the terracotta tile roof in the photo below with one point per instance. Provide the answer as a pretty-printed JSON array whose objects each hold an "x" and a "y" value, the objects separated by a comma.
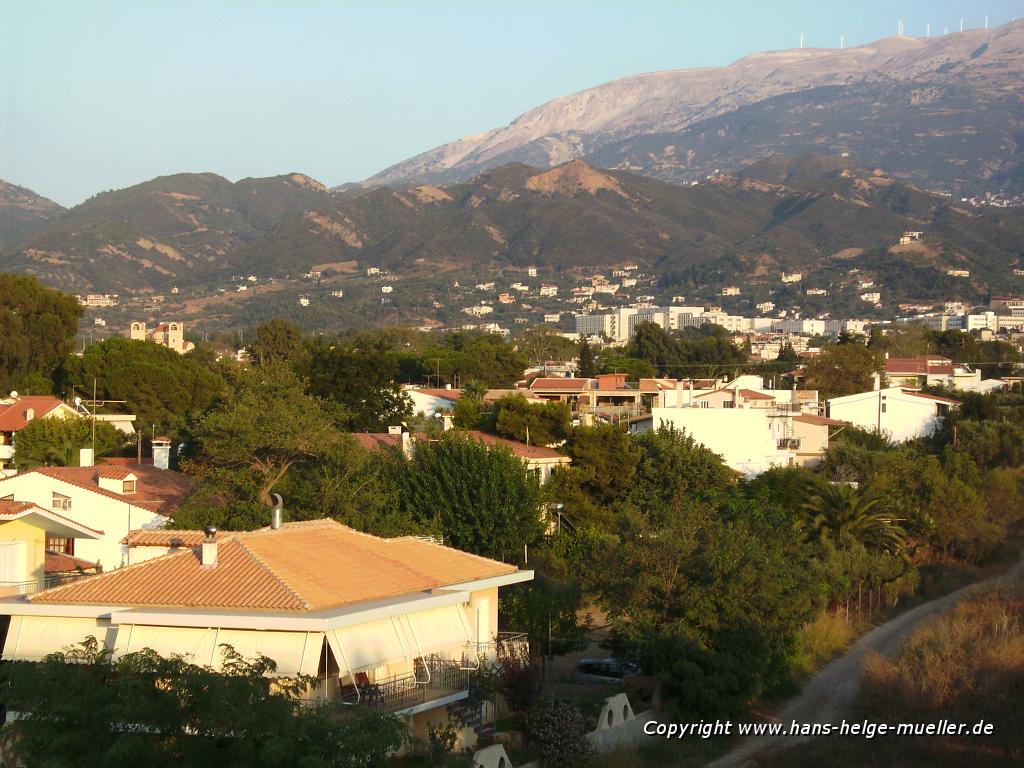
[
  {"x": 810, "y": 418},
  {"x": 58, "y": 562},
  {"x": 914, "y": 393},
  {"x": 166, "y": 538},
  {"x": 301, "y": 567},
  {"x": 373, "y": 441},
  {"x": 158, "y": 490},
  {"x": 753, "y": 394},
  {"x": 14, "y": 509},
  {"x": 446, "y": 394},
  {"x": 522, "y": 450},
  {"x": 919, "y": 366},
  {"x": 573, "y": 385},
  {"x": 12, "y": 415},
  {"x": 113, "y": 473}
]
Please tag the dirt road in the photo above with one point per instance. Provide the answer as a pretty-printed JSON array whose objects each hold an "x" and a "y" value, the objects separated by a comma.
[{"x": 829, "y": 694}]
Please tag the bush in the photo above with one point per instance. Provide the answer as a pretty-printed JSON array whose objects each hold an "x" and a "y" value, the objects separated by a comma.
[{"x": 557, "y": 731}]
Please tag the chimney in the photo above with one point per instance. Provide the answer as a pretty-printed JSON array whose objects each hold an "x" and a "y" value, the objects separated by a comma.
[
  {"x": 85, "y": 457},
  {"x": 30, "y": 413},
  {"x": 209, "y": 555},
  {"x": 277, "y": 512},
  {"x": 877, "y": 381},
  {"x": 446, "y": 421},
  {"x": 162, "y": 452},
  {"x": 406, "y": 444}
]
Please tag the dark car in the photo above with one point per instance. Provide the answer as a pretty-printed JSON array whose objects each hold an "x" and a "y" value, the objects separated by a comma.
[{"x": 607, "y": 671}]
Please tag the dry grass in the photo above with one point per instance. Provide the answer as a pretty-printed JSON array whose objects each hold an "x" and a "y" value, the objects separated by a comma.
[
  {"x": 822, "y": 640},
  {"x": 964, "y": 667}
]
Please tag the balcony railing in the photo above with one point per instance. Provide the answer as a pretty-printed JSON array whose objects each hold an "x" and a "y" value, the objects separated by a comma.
[{"x": 434, "y": 678}]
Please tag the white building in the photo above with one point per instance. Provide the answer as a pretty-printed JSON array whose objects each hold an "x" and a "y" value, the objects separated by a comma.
[
  {"x": 170, "y": 335},
  {"x": 899, "y": 412},
  {"x": 111, "y": 498}
]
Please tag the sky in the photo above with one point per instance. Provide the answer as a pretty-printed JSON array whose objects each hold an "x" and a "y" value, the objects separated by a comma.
[{"x": 102, "y": 95}]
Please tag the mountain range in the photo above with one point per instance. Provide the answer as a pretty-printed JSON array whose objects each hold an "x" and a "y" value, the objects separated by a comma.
[
  {"x": 942, "y": 112},
  {"x": 811, "y": 213}
]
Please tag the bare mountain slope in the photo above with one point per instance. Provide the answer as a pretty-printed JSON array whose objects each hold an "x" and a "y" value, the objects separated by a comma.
[{"x": 986, "y": 67}]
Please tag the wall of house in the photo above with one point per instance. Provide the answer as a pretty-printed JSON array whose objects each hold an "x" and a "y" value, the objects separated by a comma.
[
  {"x": 112, "y": 516},
  {"x": 742, "y": 437},
  {"x": 34, "y": 552},
  {"x": 902, "y": 416},
  {"x": 813, "y": 442}
]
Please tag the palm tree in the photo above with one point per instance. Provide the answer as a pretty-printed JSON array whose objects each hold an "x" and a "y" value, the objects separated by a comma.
[{"x": 838, "y": 509}]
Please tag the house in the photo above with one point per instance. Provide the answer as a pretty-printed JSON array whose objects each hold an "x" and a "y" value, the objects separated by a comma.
[
  {"x": 394, "y": 624},
  {"x": 17, "y": 411},
  {"x": 900, "y": 412},
  {"x": 170, "y": 335},
  {"x": 430, "y": 401},
  {"x": 538, "y": 459},
  {"x": 26, "y": 565},
  {"x": 110, "y": 498},
  {"x": 935, "y": 371},
  {"x": 812, "y": 434}
]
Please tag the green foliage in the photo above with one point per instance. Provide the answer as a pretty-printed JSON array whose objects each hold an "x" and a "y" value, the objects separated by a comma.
[
  {"x": 675, "y": 469},
  {"x": 586, "y": 361},
  {"x": 547, "y": 609},
  {"x": 277, "y": 341},
  {"x": 159, "y": 386},
  {"x": 361, "y": 379},
  {"x": 37, "y": 329},
  {"x": 479, "y": 498},
  {"x": 842, "y": 369},
  {"x": 709, "y": 349},
  {"x": 485, "y": 358},
  {"x": 710, "y": 604},
  {"x": 84, "y": 709},
  {"x": 557, "y": 730},
  {"x": 542, "y": 343},
  {"x": 56, "y": 441},
  {"x": 838, "y": 510},
  {"x": 264, "y": 426},
  {"x": 536, "y": 423},
  {"x": 604, "y": 462}
]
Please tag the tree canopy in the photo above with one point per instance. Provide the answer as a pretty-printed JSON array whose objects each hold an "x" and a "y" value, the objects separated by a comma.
[
  {"x": 37, "y": 329},
  {"x": 82, "y": 708},
  {"x": 57, "y": 442}
]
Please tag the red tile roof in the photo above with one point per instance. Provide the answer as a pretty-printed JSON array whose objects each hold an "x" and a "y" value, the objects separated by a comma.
[
  {"x": 574, "y": 385},
  {"x": 58, "y": 562},
  {"x": 918, "y": 366},
  {"x": 158, "y": 490},
  {"x": 14, "y": 509},
  {"x": 12, "y": 416},
  {"x": 373, "y": 441},
  {"x": 113, "y": 473},
  {"x": 752, "y": 394},
  {"x": 166, "y": 538},
  {"x": 301, "y": 567},
  {"x": 946, "y": 400},
  {"x": 522, "y": 450}
]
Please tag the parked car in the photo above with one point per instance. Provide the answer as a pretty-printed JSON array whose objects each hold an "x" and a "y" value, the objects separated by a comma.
[{"x": 607, "y": 671}]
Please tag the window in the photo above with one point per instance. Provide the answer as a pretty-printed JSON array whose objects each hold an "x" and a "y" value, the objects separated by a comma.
[
  {"x": 60, "y": 501},
  {"x": 128, "y": 487},
  {"x": 883, "y": 407},
  {"x": 62, "y": 545}
]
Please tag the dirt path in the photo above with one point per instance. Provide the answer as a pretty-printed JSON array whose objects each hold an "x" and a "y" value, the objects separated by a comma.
[{"x": 829, "y": 694}]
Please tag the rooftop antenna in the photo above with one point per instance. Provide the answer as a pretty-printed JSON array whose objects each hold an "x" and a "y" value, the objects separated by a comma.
[{"x": 801, "y": 39}]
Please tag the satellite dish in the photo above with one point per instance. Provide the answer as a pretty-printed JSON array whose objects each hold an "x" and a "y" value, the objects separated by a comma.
[{"x": 14, "y": 393}]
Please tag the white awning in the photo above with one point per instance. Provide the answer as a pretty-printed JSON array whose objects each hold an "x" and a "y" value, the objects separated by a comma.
[
  {"x": 440, "y": 629},
  {"x": 369, "y": 645},
  {"x": 295, "y": 653},
  {"x": 30, "y": 638}
]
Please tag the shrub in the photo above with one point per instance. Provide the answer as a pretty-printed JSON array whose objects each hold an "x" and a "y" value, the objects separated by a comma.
[{"x": 557, "y": 731}]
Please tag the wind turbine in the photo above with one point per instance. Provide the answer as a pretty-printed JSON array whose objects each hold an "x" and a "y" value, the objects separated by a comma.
[
  {"x": 801, "y": 39},
  {"x": 928, "y": 30},
  {"x": 986, "y": 22},
  {"x": 842, "y": 40},
  {"x": 961, "y": 23}
]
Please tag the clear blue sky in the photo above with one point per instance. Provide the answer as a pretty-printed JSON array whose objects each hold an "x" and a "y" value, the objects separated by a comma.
[{"x": 100, "y": 95}]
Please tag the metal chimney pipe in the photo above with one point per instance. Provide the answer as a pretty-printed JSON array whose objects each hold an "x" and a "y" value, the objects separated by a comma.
[{"x": 276, "y": 512}]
